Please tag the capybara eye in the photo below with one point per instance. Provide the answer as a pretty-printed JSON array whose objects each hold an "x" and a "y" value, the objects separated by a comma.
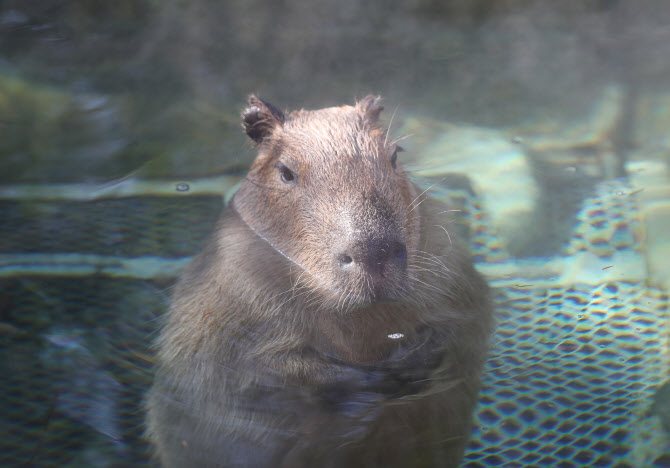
[
  {"x": 394, "y": 156},
  {"x": 287, "y": 176}
]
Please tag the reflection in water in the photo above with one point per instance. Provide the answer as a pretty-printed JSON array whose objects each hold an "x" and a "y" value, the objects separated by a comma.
[{"x": 84, "y": 391}]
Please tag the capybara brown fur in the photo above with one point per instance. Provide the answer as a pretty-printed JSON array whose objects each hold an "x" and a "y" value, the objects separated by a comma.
[{"x": 333, "y": 320}]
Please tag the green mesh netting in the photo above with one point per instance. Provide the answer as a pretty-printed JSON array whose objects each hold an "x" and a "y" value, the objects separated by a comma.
[{"x": 573, "y": 378}]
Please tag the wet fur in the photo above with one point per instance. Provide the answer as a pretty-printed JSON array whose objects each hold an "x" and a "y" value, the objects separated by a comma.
[{"x": 268, "y": 358}]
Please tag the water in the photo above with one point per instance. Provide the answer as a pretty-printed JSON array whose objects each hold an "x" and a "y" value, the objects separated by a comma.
[{"x": 120, "y": 142}]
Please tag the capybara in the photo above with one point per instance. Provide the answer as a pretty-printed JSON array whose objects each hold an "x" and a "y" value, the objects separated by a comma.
[{"x": 333, "y": 320}]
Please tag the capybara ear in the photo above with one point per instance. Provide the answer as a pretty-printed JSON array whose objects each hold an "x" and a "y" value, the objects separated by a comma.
[
  {"x": 370, "y": 107},
  {"x": 260, "y": 118}
]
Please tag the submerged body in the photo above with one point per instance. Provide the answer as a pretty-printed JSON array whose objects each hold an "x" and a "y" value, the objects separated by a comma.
[{"x": 332, "y": 321}]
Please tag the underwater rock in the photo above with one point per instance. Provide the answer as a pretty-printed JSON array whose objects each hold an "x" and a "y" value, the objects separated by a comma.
[
  {"x": 587, "y": 141},
  {"x": 661, "y": 405},
  {"x": 498, "y": 168},
  {"x": 55, "y": 134},
  {"x": 650, "y": 181},
  {"x": 651, "y": 123}
]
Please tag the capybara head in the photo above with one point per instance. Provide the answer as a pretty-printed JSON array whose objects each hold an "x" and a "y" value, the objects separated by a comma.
[{"x": 327, "y": 191}]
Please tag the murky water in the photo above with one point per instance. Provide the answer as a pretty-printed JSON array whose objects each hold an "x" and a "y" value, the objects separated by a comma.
[{"x": 543, "y": 125}]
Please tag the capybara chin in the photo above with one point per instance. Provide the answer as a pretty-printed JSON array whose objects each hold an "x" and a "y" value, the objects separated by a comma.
[{"x": 333, "y": 320}]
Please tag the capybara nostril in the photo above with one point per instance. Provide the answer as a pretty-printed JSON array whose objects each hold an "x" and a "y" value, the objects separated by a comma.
[
  {"x": 373, "y": 257},
  {"x": 344, "y": 260},
  {"x": 399, "y": 254},
  {"x": 386, "y": 256}
]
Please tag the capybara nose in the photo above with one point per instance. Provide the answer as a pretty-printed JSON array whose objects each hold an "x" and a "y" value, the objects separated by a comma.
[{"x": 375, "y": 257}]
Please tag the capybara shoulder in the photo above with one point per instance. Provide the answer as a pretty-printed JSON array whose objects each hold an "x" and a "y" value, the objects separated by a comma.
[{"x": 333, "y": 320}]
